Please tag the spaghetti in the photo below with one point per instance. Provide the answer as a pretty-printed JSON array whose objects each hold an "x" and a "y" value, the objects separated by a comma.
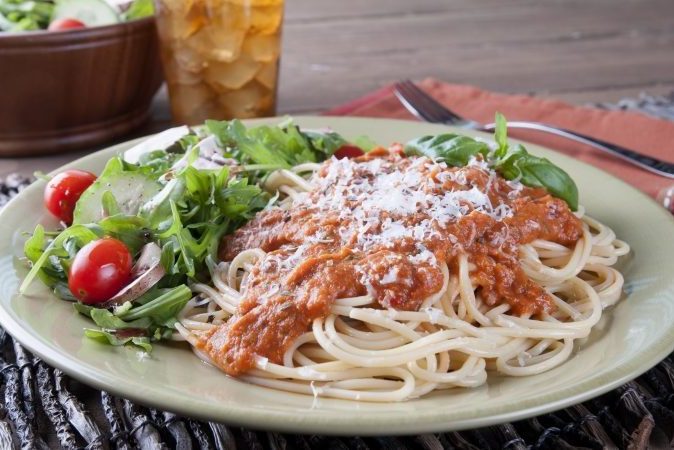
[{"x": 386, "y": 277}]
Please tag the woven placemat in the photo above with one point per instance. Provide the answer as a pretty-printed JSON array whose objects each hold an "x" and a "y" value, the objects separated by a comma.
[{"x": 43, "y": 408}]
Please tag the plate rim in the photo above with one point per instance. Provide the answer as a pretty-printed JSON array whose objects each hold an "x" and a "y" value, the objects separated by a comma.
[{"x": 279, "y": 421}]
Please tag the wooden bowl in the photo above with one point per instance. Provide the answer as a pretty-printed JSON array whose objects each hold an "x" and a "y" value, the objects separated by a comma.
[{"x": 62, "y": 91}]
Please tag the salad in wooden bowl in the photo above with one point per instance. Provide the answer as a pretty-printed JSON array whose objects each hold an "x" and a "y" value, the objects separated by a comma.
[{"x": 76, "y": 73}]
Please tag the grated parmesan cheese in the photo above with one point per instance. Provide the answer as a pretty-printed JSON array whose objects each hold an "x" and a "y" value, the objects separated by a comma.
[
  {"x": 391, "y": 276},
  {"x": 383, "y": 202},
  {"x": 433, "y": 314},
  {"x": 366, "y": 191}
]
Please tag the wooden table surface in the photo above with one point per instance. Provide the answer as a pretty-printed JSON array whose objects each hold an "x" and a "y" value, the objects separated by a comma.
[{"x": 575, "y": 50}]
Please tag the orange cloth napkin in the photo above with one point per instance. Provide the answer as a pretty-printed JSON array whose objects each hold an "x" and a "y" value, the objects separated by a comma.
[{"x": 636, "y": 131}]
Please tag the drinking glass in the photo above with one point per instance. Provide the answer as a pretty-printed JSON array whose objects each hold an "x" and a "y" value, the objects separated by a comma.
[{"x": 220, "y": 57}]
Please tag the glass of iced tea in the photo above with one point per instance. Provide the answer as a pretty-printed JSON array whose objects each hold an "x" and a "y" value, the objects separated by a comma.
[{"x": 220, "y": 57}]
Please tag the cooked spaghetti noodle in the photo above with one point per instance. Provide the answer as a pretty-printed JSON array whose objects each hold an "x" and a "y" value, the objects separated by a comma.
[{"x": 385, "y": 278}]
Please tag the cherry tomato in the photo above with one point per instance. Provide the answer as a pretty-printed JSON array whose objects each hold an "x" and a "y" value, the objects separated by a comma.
[
  {"x": 63, "y": 191},
  {"x": 348, "y": 151},
  {"x": 99, "y": 270},
  {"x": 65, "y": 24}
]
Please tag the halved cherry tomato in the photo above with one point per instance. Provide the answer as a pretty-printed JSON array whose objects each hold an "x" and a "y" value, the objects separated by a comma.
[
  {"x": 99, "y": 270},
  {"x": 63, "y": 191},
  {"x": 348, "y": 151},
  {"x": 65, "y": 24}
]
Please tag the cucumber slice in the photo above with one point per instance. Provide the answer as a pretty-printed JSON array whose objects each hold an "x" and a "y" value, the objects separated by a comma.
[
  {"x": 130, "y": 189},
  {"x": 92, "y": 13},
  {"x": 157, "y": 142}
]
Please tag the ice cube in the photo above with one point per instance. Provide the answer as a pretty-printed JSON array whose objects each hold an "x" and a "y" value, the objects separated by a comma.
[
  {"x": 175, "y": 6},
  {"x": 180, "y": 20},
  {"x": 188, "y": 100},
  {"x": 265, "y": 19},
  {"x": 252, "y": 100},
  {"x": 187, "y": 58},
  {"x": 177, "y": 75},
  {"x": 267, "y": 74},
  {"x": 224, "y": 76},
  {"x": 225, "y": 43},
  {"x": 263, "y": 47}
]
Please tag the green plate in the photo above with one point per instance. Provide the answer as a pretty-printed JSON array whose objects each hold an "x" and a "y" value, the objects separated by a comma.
[{"x": 632, "y": 337}]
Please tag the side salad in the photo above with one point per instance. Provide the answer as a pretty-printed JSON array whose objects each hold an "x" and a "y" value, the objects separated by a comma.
[
  {"x": 62, "y": 15},
  {"x": 136, "y": 236}
]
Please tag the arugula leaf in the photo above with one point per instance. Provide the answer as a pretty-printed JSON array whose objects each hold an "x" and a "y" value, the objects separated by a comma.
[
  {"x": 277, "y": 147},
  {"x": 234, "y": 135},
  {"x": 240, "y": 200},
  {"x": 324, "y": 143},
  {"x": 132, "y": 230},
  {"x": 48, "y": 264},
  {"x": 288, "y": 143},
  {"x": 111, "y": 338},
  {"x": 109, "y": 321},
  {"x": 157, "y": 210},
  {"x": 453, "y": 149},
  {"x": 162, "y": 308},
  {"x": 153, "y": 320},
  {"x": 34, "y": 248}
]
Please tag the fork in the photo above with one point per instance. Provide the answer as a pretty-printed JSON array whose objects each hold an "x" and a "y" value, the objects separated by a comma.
[{"x": 427, "y": 108}]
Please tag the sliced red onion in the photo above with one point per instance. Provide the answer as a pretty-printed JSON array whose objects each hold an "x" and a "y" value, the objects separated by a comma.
[{"x": 147, "y": 272}]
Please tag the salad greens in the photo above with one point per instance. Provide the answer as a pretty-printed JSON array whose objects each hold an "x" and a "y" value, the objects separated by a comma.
[
  {"x": 21, "y": 15},
  {"x": 275, "y": 147},
  {"x": 31, "y": 15},
  {"x": 180, "y": 200},
  {"x": 138, "y": 9},
  {"x": 513, "y": 162}
]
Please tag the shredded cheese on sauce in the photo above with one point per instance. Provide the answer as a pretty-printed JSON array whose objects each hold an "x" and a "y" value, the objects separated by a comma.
[{"x": 377, "y": 195}]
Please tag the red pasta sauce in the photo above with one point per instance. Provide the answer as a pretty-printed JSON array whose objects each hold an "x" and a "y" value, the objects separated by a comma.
[{"x": 383, "y": 224}]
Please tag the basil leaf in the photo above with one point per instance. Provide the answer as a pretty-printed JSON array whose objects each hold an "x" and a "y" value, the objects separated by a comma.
[
  {"x": 501, "y": 135},
  {"x": 453, "y": 149},
  {"x": 535, "y": 171}
]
